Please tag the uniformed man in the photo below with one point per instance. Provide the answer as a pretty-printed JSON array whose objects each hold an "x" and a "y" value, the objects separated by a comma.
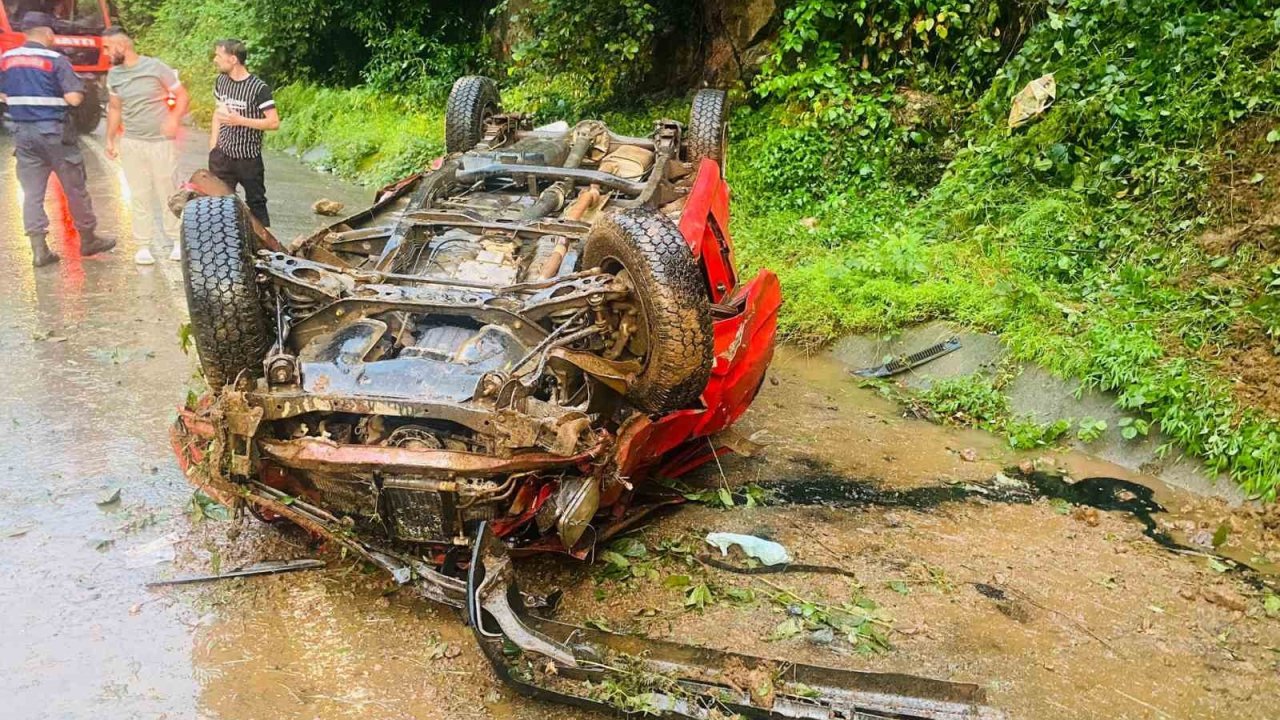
[{"x": 40, "y": 88}]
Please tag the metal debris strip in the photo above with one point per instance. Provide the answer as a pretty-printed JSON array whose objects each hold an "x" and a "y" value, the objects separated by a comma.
[
  {"x": 549, "y": 660},
  {"x": 270, "y": 567},
  {"x": 915, "y": 360}
]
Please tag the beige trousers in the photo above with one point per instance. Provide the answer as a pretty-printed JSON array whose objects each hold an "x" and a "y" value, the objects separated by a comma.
[{"x": 151, "y": 170}]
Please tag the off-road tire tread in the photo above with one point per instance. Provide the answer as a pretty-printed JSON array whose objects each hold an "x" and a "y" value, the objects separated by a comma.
[
  {"x": 673, "y": 298},
  {"x": 704, "y": 138},
  {"x": 227, "y": 318},
  {"x": 464, "y": 114}
]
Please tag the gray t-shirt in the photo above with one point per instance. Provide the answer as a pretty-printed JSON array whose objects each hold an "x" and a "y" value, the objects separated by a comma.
[{"x": 144, "y": 90}]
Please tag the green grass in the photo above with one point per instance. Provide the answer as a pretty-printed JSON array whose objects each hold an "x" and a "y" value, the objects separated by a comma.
[
  {"x": 1128, "y": 329},
  {"x": 1073, "y": 238},
  {"x": 371, "y": 137}
]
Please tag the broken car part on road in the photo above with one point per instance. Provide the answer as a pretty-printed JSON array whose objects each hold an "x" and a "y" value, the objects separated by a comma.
[
  {"x": 270, "y": 567},
  {"x": 557, "y": 661},
  {"x": 492, "y": 360},
  {"x": 909, "y": 362}
]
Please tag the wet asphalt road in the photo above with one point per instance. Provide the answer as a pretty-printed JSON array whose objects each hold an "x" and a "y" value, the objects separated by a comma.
[{"x": 91, "y": 375}]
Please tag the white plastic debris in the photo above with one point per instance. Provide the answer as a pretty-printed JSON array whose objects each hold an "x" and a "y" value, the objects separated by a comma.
[
  {"x": 160, "y": 550},
  {"x": 766, "y": 551}
]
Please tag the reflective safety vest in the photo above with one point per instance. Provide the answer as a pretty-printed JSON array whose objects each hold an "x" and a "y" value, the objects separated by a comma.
[{"x": 32, "y": 76}]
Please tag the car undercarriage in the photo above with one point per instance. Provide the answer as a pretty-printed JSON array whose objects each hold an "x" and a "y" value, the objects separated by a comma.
[{"x": 499, "y": 357}]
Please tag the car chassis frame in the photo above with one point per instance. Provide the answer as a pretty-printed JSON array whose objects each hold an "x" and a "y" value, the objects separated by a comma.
[{"x": 221, "y": 450}]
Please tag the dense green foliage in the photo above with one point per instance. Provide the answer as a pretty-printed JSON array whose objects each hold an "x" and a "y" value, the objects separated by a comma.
[
  {"x": 184, "y": 34},
  {"x": 833, "y": 84},
  {"x": 872, "y": 163},
  {"x": 1072, "y": 237},
  {"x": 411, "y": 49},
  {"x": 578, "y": 57}
]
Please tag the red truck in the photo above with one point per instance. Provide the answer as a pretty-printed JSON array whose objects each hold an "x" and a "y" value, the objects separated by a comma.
[{"x": 78, "y": 29}]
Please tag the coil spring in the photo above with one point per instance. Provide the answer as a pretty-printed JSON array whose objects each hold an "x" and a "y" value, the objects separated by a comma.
[{"x": 300, "y": 304}]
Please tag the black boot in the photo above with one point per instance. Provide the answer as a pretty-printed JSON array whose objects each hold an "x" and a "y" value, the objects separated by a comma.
[
  {"x": 41, "y": 255},
  {"x": 92, "y": 243}
]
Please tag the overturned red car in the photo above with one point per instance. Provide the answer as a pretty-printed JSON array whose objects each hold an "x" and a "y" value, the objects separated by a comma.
[
  {"x": 497, "y": 357},
  {"x": 524, "y": 334}
]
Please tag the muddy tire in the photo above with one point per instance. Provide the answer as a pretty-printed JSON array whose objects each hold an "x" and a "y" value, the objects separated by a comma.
[
  {"x": 705, "y": 136},
  {"x": 472, "y": 100},
  {"x": 227, "y": 318},
  {"x": 673, "y": 298},
  {"x": 88, "y": 114}
]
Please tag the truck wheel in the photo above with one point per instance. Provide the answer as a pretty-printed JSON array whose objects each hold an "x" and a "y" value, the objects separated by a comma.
[
  {"x": 227, "y": 317},
  {"x": 705, "y": 136},
  {"x": 88, "y": 114},
  {"x": 647, "y": 249},
  {"x": 473, "y": 99}
]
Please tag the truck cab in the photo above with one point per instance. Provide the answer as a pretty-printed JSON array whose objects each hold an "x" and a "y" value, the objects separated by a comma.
[{"x": 78, "y": 35}]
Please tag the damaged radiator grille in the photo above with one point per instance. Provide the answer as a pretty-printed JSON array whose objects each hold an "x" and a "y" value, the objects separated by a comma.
[
  {"x": 415, "y": 514},
  {"x": 347, "y": 495}
]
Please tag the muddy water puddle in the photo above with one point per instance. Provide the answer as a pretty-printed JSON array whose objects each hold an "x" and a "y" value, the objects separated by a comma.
[{"x": 342, "y": 642}]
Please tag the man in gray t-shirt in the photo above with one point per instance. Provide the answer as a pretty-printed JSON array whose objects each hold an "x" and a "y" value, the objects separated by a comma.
[{"x": 145, "y": 105}]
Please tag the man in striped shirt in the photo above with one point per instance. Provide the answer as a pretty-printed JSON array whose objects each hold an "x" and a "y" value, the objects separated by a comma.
[{"x": 245, "y": 110}]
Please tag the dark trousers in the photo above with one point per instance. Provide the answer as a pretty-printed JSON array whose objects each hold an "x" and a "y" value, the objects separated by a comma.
[
  {"x": 247, "y": 173},
  {"x": 39, "y": 155}
]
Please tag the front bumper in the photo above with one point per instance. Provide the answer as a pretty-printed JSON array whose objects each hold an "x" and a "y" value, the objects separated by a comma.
[{"x": 384, "y": 493}]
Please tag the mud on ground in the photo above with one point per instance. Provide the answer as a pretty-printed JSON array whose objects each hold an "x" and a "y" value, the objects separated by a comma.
[
  {"x": 1243, "y": 195},
  {"x": 1254, "y": 370},
  {"x": 1244, "y": 202},
  {"x": 1059, "y": 611},
  {"x": 337, "y": 643}
]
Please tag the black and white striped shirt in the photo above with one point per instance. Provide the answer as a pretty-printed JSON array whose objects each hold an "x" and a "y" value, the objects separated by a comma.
[{"x": 251, "y": 98}]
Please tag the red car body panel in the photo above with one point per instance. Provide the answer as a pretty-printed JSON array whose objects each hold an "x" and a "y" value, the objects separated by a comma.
[
  {"x": 743, "y": 343},
  {"x": 705, "y": 224}
]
